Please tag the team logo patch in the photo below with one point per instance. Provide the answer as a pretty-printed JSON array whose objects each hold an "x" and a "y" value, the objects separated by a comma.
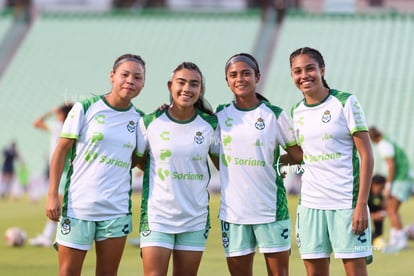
[
  {"x": 298, "y": 243},
  {"x": 225, "y": 239},
  {"x": 198, "y": 138},
  {"x": 131, "y": 126},
  {"x": 100, "y": 119},
  {"x": 259, "y": 124},
  {"x": 326, "y": 117},
  {"x": 228, "y": 122},
  {"x": 65, "y": 227}
]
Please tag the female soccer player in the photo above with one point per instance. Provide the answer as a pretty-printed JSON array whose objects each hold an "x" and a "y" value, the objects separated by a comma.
[
  {"x": 253, "y": 206},
  {"x": 174, "y": 210},
  {"x": 398, "y": 186},
  {"x": 338, "y": 162},
  {"x": 100, "y": 136}
]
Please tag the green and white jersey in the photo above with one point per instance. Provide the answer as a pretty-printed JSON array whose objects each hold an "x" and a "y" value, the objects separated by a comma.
[
  {"x": 252, "y": 190},
  {"x": 99, "y": 181},
  {"x": 331, "y": 163},
  {"x": 388, "y": 149},
  {"x": 176, "y": 176}
]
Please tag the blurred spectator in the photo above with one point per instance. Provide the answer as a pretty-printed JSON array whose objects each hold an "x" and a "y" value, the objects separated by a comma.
[
  {"x": 22, "y": 9},
  {"x": 10, "y": 155},
  {"x": 155, "y": 4},
  {"x": 376, "y": 3},
  {"x": 130, "y": 4},
  {"x": 124, "y": 4},
  {"x": 376, "y": 204},
  {"x": 54, "y": 127}
]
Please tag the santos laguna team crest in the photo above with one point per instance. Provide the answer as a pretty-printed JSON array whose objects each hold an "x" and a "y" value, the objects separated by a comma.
[
  {"x": 65, "y": 227},
  {"x": 259, "y": 124},
  {"x": 198, "y": 138},
  {"x": 131, "y": 126},
  {"x": 326, "y": 117}
]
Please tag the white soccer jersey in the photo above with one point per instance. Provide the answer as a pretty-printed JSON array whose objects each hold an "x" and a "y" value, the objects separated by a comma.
[
  {"x": 175, "y": 195},
  {"x": 100, "y": 180},
  {"x": 331, "y": 170},
  {"x": 252, "y": 190},
  {"x": 386, "y": 149}
]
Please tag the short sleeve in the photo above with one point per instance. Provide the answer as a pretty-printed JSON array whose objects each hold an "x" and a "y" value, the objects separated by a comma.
[
  {"x": 354, "y": 115},
  {"x": 74, "y": 122},
  {"x": 142, "y": 140},
  {"x": 386, "y": 149},
  {"x": 215, "y": 142},
  {"x": 286, "y": 134}
]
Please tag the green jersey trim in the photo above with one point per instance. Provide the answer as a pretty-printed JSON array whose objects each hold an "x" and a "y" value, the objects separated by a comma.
[
  {"x": 86, "y": 103},
  {"x": 152, "y": 116}
]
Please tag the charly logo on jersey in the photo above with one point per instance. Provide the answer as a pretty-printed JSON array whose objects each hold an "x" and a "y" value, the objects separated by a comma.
[
  {"x": 131, "y": 126},
  {"x": 260, "y": 123},
  {"x": 285, "y": 233},
  {"x": 326, "y": 117},
  {"x": 65, "y": 227},
  {"x": 199, "y": 138},
  {"x": 165, "y": 135},
  {"x": 228, "y": 122},
  {"x": 301, "y": 121},
  {"x": 100, "y": 119},
  {"x": 125, "y": 229}
]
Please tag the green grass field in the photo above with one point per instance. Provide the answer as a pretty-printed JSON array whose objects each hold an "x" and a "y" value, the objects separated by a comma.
[{"x": 29, "y": 260}]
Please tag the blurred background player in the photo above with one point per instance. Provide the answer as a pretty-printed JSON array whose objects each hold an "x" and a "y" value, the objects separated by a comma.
[
  {"x": 398, "y": 185},
  {"x": 8, "y": 171},
  {"x": 54, "y": 127},
  {"x": 376, "y": 204}
]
